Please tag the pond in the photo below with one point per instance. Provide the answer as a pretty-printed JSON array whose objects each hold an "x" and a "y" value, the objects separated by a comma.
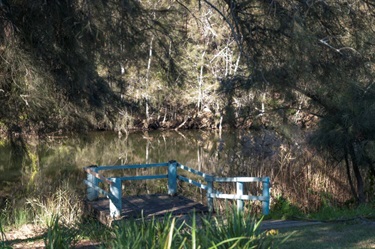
[{"x": 296, "y": 173}]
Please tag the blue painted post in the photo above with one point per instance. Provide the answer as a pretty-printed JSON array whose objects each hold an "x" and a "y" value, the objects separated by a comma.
[
  {"x": 92, "y": 193},
  {"x": 240, "y": 191},
  {"x": 115, "y": 200},
  {"x": 210, "y": 190},
  {"x": 172, "y": 177},
  {"x": 266, "y": 195}
]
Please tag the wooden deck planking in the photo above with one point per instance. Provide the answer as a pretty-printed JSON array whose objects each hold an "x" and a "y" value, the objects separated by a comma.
[{"x": 147, "y": 206}]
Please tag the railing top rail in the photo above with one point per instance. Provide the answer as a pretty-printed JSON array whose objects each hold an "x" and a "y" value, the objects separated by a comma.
[
  {"x": 239, "y": 179},
  {"x": 97, "y": 175},
  {"x": 238, "y": 197},
  {"x": 190, "y": 181},
  {"x": 133, "y": 166},
  {"x": 143, "y": 177},
  {"x": 197, "y": 172}
]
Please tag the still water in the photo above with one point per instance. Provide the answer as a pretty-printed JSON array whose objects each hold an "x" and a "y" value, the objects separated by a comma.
[{"x": 295, "y": 172}]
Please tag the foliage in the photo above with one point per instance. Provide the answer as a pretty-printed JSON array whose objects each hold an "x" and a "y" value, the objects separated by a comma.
[
  {"x": 59, "y": 236},
  {"x": 284, "y": 209},
  {"x": 320, "y": 67},
  {"x": 145, "y": 234},
  {"x": 332, "y": 213},
  {"x": 15, "y": 216},
  {"x": 235, "y": 230},
  {"x": 151, "y": 64}
]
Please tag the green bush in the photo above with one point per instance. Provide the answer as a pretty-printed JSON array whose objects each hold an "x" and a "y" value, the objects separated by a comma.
[{"x": 284, "y": 209}]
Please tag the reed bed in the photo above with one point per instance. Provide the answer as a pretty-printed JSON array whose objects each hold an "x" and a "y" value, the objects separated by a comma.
[{"x": 233, "y": 230}]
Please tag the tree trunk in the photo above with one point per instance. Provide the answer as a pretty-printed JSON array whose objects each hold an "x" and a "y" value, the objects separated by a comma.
[
  {"x": 347, "y": 164},
  {"x": 358, "y": 176},
  {"x": 200, "y": 84},
  {"x": 147, "y": 79}
]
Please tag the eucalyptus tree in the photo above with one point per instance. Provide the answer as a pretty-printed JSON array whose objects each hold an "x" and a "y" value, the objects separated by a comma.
[{"x": 322, "y": 51}]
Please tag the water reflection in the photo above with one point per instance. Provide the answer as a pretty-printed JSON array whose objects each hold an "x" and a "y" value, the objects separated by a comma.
[{"x": 295, "y": 171}]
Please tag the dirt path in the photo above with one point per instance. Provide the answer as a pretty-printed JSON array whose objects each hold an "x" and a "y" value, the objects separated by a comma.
[
  {"x": 30, "y": 236},
  {"x": 277, "y": 224}
]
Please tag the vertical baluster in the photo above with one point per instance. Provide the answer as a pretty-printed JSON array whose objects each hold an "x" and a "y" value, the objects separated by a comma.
[
  {"x": 210, "y": 191},
  {"x": 115, "y": 200},
  {"x": 266, "y": 195},
  {"x": 172, "y": 177},
  {"x": 240, "y": 191},
  {"x": 92, "y": 193}
]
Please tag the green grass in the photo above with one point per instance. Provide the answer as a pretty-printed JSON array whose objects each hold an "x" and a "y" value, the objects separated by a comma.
[
  {"x": 15, "y": 217},
  {"x": 341, "y": 227},
  {"x": 58, "y": 235},
  {"x": 350, "y": 234},
  {"x": 330, "y": 213},
  {"x": 285, "y": 210}
]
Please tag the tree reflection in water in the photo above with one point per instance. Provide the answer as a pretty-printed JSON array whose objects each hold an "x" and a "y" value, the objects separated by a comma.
[{"x": 297, "y": 173}]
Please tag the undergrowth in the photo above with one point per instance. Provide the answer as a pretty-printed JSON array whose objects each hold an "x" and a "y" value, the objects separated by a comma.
[
  {"x": 332, "y": 213},
  {"x": 233, "y": 230},
  {"x": 59, "y": 235},
  {"x": 283, "y": 209},
  {"x": 3, "y": 239}
]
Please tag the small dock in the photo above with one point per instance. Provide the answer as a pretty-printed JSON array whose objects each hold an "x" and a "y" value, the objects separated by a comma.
[
  {"x": 106, "y": 202},
  {"x": 146, "y": 206}
]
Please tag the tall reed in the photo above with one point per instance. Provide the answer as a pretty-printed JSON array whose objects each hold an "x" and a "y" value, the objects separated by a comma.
[
  {"x": 234, "y": 230},
  {"x": 145, "y": 234},
  {"x": 59, "y": 236}
]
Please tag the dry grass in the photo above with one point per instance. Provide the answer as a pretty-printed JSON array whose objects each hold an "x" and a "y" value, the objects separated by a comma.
[{"x": 66, "y": 203}]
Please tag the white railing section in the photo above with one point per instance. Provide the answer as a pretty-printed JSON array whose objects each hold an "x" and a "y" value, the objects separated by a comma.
[{"x": 115, "y": 185}]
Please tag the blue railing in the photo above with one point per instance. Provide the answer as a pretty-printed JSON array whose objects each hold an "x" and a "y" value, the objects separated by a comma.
[{"x": 115, "y": 185}]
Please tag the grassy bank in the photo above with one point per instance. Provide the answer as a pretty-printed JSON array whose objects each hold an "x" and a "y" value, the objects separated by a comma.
[
  {"x": 234, "y": 231},
  {"x": 356, "y": 233},
  {"x": 346, "y": 228},
  {"x": 238, "y": 231},
  {"x": 340, "y": 227}
]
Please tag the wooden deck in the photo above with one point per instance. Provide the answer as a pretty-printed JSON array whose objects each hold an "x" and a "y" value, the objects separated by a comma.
[{"x": 147, "y": 206}]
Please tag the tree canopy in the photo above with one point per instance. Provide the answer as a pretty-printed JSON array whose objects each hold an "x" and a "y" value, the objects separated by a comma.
[{"x": 320, "y": 55}]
